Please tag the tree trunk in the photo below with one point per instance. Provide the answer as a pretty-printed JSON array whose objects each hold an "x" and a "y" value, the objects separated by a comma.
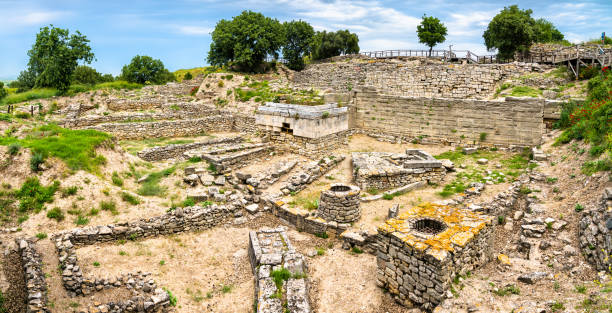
[{"x": 430, "y": 48}]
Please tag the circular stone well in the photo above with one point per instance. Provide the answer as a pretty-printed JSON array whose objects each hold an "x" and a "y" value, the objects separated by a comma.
[
  {"x": 340, "y": 204},
  {"x": 428, "y": 226}
]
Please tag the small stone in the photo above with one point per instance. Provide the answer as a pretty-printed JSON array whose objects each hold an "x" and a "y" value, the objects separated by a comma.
[
  {"x": 482, "y": 161},
  {"x": 532, "y": 278},
  {"x": 252, "y": 208},
  {"x": 220, "y": 180}
]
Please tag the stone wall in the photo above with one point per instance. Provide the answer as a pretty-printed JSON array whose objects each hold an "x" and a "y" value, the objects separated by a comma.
[
  {"x": 595, "y": 233},
  {"x": 424, "y": 248},
  {"x": 36, "y": 287},
  {"x": 226, "y": 162},
  {"x": 515, "y": 121},
  {"x": 416, "y": 78},
  {"x": 169, "y": 128},
  {"x": 270, "y": 250},
  {"x": 312, "y": 148},
  {"x": 177, "y": 150}
]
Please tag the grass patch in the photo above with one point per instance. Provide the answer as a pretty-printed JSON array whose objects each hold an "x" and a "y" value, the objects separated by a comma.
[
  {"x": 39, "y": 93},
  {"x": 151, "y": 186},
  {"x": 75, "y": 147},
  {"x": 109, "y": 206},
  {"x": 525, "y": 91},
  {"x": 309, "y": 201},
  {"x": 129, "y": 198},
  {"x": 507, "y": 290}
]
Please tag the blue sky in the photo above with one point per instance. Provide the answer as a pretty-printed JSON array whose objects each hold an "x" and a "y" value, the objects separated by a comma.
[{"x": 178, "y": 32}]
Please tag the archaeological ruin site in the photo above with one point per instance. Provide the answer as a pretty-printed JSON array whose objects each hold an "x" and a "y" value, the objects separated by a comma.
[{"x": 367, "y": 182}]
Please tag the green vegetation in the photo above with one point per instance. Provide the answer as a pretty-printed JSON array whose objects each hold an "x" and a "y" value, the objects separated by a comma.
[
  {"x": 514, "y": 30},
  {"x": 129, "y": 198},
  {"x": 261, "y": 92},
  {"x": 69, "y": 191},
  {"x": 146, "y": 70},
  {"x": 41, "y": 236},
  {"x": 507, "y": 290},
  {"x": 151, "y": 187},
  {"x": 308, "y": 201},
  {"x": 56, "y": 214},
  {"x": 117, "y": 181},
  {"x": 85, "y": 75},
  {"x": 525, "y": 91},
  {"x": 298, "y": 41},
  {"x": 53, "y": 58},
  {"x": 75, "y": 147},
  {"x": 329, "y": 44},
  {"x": 245, "y": 41},
  {"x": 578, "y": 207},
  {"x": 591, "y": 121},
  {"x": 109, "y": 206},
  {"x": 323, "y": 235},
  {"x": 81, "y": 220},
  {"x": 33, "y": 195},
  {"x": 173, "y": 300},
  {"x": 96, "y": 264},
  {"x": 431, "y": 32}
]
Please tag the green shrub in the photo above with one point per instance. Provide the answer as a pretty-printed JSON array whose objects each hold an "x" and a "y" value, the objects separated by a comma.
[
  {"x": 129, "y": 198},
  {"x": 483, "y": 136},
  {"x": 387, "y": 196},
  {"x": 188, "y": 76},
  {"x": 13, "y": 148},
  {"x": 41, "y": 236},
  {"x": 109, "y": 206},
  {"x": 117, "y": 181},
  {"x": 35, "y": 161},
  {"x": 280, "y": 276},
  {"x": 33, "y": 195},
  {"x": 592, "y": 167},
  {"x": 81, "y": 220},
  {"x": 578, "y": 207},
  {"x": 188, "y": 202},
  {"x": 173, "y": 301},
  {"x": 220, "y": 84},
  {"x": 151, "y": 187},
  {"x": 56, "y": 214}
]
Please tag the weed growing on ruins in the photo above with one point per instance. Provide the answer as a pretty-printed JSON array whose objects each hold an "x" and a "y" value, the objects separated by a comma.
[
  {"x": 81, "y": 220},
  {"x": 2, "y": 301},
  {"x": 109, "y": 206},
  {"x": 117, "y": 181},
  {"x": 41, "y": 236},
  {"x": 320, "y": 251},
  {"x": 69, "y": 191},
  {"x": 226, "y": 288},
  {"x": 507, "y": 290},
  {"x": 279, "y": 277},
  {"x": 197, "y": 295},
  {"x": 373, "y": 191},
  {"x": 194, "y": 159},
  {"x": 36, "y": 160},
  {"x": 525, "y": 91},
  {"x": 580, "y": 289},
  {"x": 151, "y": 187},
  {"x": 557, "y": 306},
  {"x": 356, "y": 250},
  {"x": 96, "y": 264},
  {"x": 13, "y": 148},
  {"x": 578, "y": 207},
  {"x": 93, "y": 212},
  {"x": 123, "y": 253},
  {"x": 483, "y": 136},
  {"x": 56, "y": 214},
  {"x": 75, "y": 147},
  {"x": 129, "y": 198},
  {"x": 387, "y": 196},
  {"x": 172, "y": 298},
  {"x": 323, "y": 235}
]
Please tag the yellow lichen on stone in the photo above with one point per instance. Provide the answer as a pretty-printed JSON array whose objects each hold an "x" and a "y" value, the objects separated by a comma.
[
  {"x": 462, "y": 238},
  {"x": 279, "y": 203},
  {"x": 439, "y": 254},
  {"x": 503, "y": 259}
]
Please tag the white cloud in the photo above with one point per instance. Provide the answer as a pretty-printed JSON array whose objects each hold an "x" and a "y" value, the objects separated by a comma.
[
  {"x": 194, "y": 30},
  {"x": 469, "y": 24},
  {"x": 19, "y": 18}
]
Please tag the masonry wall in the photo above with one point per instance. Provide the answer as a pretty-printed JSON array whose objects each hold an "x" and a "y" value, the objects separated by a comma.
[
  {"x": 416, "y": 78},
  {"x": 514, "y": 121}
]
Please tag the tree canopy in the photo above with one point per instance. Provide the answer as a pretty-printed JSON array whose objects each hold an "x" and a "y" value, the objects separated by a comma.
[
  {"x": 431, "y": 32},
  {"x": 514, "y": 30},
  {"x": 245, "y": 41},
  {"x": 3, "y": 92},
  {"x": 329, "y": 44},
  {"x": 54, "y": 57},
  {"x": 298, "y": 42},
  {"x": 144, "y": 69},
  {"x": 84, "y": 74}
]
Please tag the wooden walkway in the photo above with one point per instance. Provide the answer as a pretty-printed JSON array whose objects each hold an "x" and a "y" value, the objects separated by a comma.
[
  {"x": 446, "y": 55},
  {"x": 574, "y": 57}
]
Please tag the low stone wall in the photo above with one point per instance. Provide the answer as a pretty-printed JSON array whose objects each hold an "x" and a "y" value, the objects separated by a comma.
[
  {"x": 36, "y": 287},
  {"x": 595, "y": 233},
  {"x": 311, "y": 172},
  {"x": 226, "y": 162},
  {"x": 269, "y": 250},
  {"x": 424, "y": 248},
  {"x": 383, "y": 170},
  {"x": 340, "y": 203},
  {"x": 147, "y": 296},
  {"x": 515, "y": 121},
  {"x": 312, "y": 148},
  {"x": 177, "y": 150},
  {"x": 171, "y": 128}
]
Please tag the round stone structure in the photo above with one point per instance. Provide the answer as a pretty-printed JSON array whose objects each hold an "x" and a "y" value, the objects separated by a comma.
[{"x": 340, "y": 203}]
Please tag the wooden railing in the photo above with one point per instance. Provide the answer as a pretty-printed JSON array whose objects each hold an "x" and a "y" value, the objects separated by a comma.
[{"x": 441, "y": 54}]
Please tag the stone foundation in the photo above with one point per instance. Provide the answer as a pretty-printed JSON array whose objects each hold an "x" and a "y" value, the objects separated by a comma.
[
  {"x": 384, "y": 170},
  {"x": 270, "y": 250},
  {"x": 340, "y": 203},
  {"x": 424, "y": 248},
  {"x": 177, "y": 150},
  {"x": 36, "y": 287},
  {"x": 312, "y": 148}
]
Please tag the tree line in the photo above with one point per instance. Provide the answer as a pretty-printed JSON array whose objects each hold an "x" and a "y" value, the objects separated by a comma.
[
  {"x": 54, "y": 63},
  {"x": 246, "y": 40}
]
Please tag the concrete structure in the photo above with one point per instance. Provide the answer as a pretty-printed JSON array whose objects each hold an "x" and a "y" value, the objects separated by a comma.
[
  {"x": 385, "y": 170},
  {"x": 424, "y": 248}
]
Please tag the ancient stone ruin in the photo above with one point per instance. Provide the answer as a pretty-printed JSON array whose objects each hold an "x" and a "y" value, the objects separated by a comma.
[
  {"x": 384, "y": 170},
  {"x": 424, "y": 248},
  {"x": 340, "y": 203}
]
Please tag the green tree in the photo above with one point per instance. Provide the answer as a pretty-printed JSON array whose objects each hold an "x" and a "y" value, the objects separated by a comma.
[
  {"x": 298, "y": 36},
  {"x": 245, "y": 41},
  {"x": 511, "y": 30},
  {"x": 188, "y": 76},
  {"x": 545, "y": 31},
  {"x": 54, "y": 57},
  {"x": 431, "y": 32},
  {"x": 84, "y": 74},
  {"x": 144, "y": 69},
  {"x": 330, "y": 44},
  {"x": 3, "y": 92}
]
